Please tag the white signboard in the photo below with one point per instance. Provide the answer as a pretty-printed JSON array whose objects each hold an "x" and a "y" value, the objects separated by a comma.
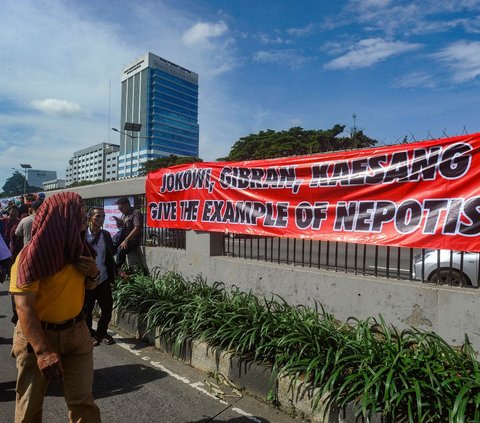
[{"x": 111, "y": 211}]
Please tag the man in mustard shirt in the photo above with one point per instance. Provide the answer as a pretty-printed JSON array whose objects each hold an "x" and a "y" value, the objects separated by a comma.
[{"x": 51, "y": 340}]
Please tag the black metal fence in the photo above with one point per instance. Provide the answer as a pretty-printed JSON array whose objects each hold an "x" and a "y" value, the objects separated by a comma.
[
  {"x": 172, "y": 238},
  {"x": 434, "y": 266}
]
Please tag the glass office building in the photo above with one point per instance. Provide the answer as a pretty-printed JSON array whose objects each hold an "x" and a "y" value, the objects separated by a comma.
[{"x": 163, "y": 98}]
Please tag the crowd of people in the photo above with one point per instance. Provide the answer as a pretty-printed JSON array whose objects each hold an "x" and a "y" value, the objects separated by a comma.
[
  {"x": 60, "y": 262},
  {"x": 15, "y": 236}
]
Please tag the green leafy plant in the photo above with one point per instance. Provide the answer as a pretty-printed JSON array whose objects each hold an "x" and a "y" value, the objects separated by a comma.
[{"x": 411, "y": 375}]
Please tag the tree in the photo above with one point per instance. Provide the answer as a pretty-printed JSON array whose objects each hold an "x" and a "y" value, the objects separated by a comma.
[
  {"x": 14, "y": 185},
  {"x": 162, "y": 162},
  {"x": 295, "y": 141},
  {"x": 85, "y": 182}
]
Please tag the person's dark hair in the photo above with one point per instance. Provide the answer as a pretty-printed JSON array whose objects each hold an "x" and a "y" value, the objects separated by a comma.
[
  {"x": 123, "y": 200},
  {"x": 36, "y": 204},
  {"x": 15, "y": 208},
  {"x": 92, "y": 209}
]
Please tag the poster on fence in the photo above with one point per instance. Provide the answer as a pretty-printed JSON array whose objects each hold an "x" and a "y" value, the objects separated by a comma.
[
  {"x": 111, "y": 212},
  {"x": 424, "y": 194}
]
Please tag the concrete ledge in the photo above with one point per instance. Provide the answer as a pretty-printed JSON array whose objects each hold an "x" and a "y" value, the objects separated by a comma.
[
  {"x": 131, "y": 324},
  {"x": 254, "y": 378}
]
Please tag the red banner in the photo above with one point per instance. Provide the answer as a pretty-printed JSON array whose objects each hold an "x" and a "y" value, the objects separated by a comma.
[{"x": 424, "y": 194}]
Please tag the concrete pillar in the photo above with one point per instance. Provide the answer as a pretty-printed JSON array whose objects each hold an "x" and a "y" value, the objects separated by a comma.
[{"x": 206, "y": 244}]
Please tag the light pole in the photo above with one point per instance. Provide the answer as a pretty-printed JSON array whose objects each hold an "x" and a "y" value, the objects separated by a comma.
[
  {"x": 25, "y": 166},
  {"x": 354, "y": 131},
  {"x": 104, "y": 161},
  {"x": 133, "y": 127}
]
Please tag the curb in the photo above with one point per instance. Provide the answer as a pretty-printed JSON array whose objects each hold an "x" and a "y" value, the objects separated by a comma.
[{"x": 255, "y": 378}]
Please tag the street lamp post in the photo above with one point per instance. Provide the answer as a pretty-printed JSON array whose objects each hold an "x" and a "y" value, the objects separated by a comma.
[
  {"x": 25, "y": 167},
  {"x": 133, "y": 127},
  {"x": 131, "y": 150},
  {"x": 354, "y": 131},
  {"x": 104, "y": 161}
]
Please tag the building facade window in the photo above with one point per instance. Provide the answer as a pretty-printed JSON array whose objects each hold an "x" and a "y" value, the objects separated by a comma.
[{"x": 163, "y": 97}]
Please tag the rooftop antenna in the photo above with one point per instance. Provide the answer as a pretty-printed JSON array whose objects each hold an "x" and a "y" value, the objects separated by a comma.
[{"x": 109, "y": 97}]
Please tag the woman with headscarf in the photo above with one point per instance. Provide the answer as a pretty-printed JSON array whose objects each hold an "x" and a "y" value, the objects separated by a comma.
[{"x": 51, "y": 340}]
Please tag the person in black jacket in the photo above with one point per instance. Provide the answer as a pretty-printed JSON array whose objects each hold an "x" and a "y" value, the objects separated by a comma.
[{"x": 101, "y": 241}]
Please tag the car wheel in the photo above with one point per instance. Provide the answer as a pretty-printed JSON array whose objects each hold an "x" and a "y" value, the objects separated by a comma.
[{"x": 449, "y": 277}]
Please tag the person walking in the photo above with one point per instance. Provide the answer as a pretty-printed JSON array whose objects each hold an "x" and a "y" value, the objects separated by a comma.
[
  {"x": 101, "y": 241},
  {"x": 131, "y": 226},
  {"x": 10, "y": 224},
  {"x": 51, "y": 340},
  {"x": 24, "y": 228},
  {"x": 5, "y": 260}
]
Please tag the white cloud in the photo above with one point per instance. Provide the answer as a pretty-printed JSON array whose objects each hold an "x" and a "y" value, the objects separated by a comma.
[
  {"x": 301, "y": 32},
  {"x": 369, "y": 4},
  {"x": 370, "y": 51},
  {"x": 296, "y": 121},
  {"x": 286, "y": 57},
  {"x": 416, "y": 79},
  {"x": 59, "y": 59},
  {"x": 463, "y": 58},
  {"x": 55, "y": 106},
  {"x": 271, "y": 39},
  {"x": 413, "y": 18},
  {"x": 202, "y": 32},
  {"x": 287, "y": 36},
  {"x": 334, "y": 47}
]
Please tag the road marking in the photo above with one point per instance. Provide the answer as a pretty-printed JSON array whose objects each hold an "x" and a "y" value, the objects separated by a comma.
[
  {"x": 247, "y": 415},
  {"x": 127, "y": 347},
  {"x": 174, "y": 375},
  {"x": 196, "y": 385}
]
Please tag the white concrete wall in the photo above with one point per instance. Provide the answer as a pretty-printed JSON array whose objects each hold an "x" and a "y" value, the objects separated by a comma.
[
  {"x": 448, "y": 311},
  {"x": 124, "y": 187}
]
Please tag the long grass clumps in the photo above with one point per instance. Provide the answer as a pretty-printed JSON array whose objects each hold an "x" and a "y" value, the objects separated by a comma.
[{"x": 412, "y": 375}]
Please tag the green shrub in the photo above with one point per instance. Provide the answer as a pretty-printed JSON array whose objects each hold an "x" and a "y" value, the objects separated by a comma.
[{"x": 411, "y": 375}]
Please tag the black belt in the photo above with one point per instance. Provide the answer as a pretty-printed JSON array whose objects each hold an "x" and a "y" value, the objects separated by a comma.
[{"x": 63, "y": 325}]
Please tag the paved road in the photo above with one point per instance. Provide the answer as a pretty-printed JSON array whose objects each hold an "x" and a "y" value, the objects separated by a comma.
[{"x": 136, "y": 383}]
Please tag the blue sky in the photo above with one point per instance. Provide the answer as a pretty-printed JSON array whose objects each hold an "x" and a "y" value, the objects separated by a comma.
[{"x": 405, "y": 68}]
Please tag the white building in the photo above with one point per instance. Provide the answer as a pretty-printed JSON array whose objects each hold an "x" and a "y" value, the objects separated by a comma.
[
  {"x": 54, "y": 184},
  {"x": 36, "y": 178},
  {"x": 163, "y": 98},
  {"x": 98, "y": 162}
]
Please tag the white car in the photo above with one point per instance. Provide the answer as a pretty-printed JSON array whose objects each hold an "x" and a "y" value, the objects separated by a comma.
[{"x": 445, "y": 267}]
